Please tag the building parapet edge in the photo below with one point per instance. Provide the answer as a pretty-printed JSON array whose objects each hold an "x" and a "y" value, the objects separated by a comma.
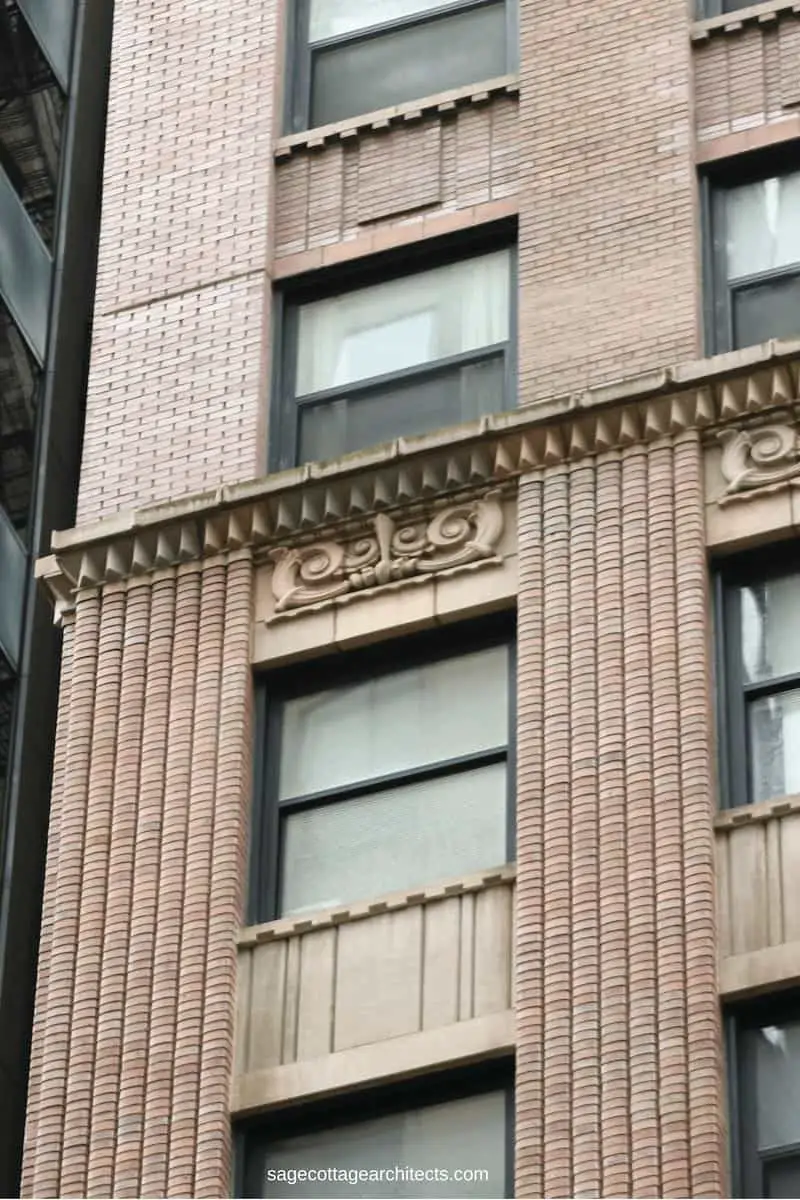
[{"x": 294, "y": 507}]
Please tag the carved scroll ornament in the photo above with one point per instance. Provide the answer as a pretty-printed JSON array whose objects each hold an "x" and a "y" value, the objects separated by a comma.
[
  {"x": 387, "y": 553},
  {"x": 760, "y": 457}
]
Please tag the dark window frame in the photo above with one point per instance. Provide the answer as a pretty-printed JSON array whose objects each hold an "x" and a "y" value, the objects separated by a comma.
[
  {"x": 715, "y": 180},
  {"x": 732, "y": 693},
  {"x": 718, "y": 8},
  {"x": 275, "y": 687},
  {"x": 298, "y": 99},
  {"x": 744, "y": 1158},
  {"x": 285, "y": 406},
  {"x": 383, "y": 1098}
]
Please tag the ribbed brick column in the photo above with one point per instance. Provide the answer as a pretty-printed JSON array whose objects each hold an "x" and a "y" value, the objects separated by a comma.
[
  {"x": 134, "y": 1026},
  {"x": 619, "y": 1060}
]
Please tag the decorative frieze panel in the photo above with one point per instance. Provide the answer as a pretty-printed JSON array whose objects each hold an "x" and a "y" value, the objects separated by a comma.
[
  {"x": 763, "y": 457},
  {"x": 388, "y": 551}
]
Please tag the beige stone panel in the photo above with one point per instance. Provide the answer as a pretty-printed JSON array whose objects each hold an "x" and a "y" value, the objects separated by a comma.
[
  {"x": 378, "y": 978},
  {"x": 244, "y": 974},
  {"x": 477, "y": 591},
  {"x": 748, "y": 522},
  {"x": 302, "y": 636},
  {"x": 291, "y": 1001},
  {"x": 466, "y": 974},
  {"x": 389, "y": 611},
  {"x": 789, "y": 867},
  {"x": 722, "y": 872},
  {"x": 761, "y": 970},
  {"x": 440, "y": 963},
  {"x": 266, "y": 1014},
  {"x": 492, "y": 951},
  {"x": 401, "y": 1057},
  {"x": 315, "y": 1011},
  {"x": 748, "y": 899},
  {"x": 714, "y": 483}
]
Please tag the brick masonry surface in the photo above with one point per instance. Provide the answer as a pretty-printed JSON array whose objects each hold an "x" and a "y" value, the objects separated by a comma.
[
  {"x": 175, "y": 396},
  {"x": 608, "y": 226},
  {"x": 747, "y": 79},
  {"x": 435, "y": 164},
  {"x": 618, "y": 1040},
  {"x": 133, "y": 1034}
]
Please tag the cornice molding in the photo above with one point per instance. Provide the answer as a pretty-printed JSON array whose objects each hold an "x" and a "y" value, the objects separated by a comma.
[{"x": 334, "y": 501}]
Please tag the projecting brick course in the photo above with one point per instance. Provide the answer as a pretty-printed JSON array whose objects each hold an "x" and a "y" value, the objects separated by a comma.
[{"x": 618, "y": 1055}]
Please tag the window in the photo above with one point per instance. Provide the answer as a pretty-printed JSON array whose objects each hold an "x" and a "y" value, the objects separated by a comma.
[
  {"x": 31, "y": 118},
  {"x": 7, "y": 694},
  {"x": 449, "y": 1127},
  {"x": 19, "y": 380},
  {"x": 760, "y": 668},
  {"x": 356, "y": 56},
  {"x": 389, "y": 775},
  {"x": 715, "y": 8},
  {"x": 764, "y": 1085},
  {"x": 402, "y": 357},
  {"x": 756, "y": 258}
]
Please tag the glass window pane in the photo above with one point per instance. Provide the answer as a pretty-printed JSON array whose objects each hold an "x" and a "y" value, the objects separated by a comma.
[
  {"x": 402, "y": 837},
  {"x": 777, "y": 1084},
  {"x": 394, "y": 722},
  {"x": 408, "y": 63},
  {"x": 766, "y": 310},
  {"x": 19, "y": 377},
  {"x": 403, "y": 323},
  {"x": 467, "y": 1134},
  {"x": 31, "y": 119},
  {"x": 774, "y": 727},
  {"x": 782, "y": 1177},
  {"x": 333, "y": 18},
  {"x": 406, "y": 409},
  {"x": 7, "y": 688},
  {"x": 771, "y": 628},
  {"x": 763, "y": 225}
]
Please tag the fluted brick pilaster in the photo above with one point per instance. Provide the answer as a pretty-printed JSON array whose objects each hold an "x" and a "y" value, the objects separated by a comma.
[{"x": 618, "y": 1059}]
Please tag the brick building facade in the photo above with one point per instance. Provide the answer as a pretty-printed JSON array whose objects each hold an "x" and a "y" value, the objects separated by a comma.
[{"x": 426, "y": 770}]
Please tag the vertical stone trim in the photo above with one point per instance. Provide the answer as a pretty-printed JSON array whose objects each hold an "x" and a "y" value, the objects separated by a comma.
[
  {"x": 116, "y": 938},
  {"x": 55, "y": 1028},
  {"x": 169, "y": 915},
  {"x": 48, "y": 904},
  {"x": 706, "y": 1099},
  {"x": 146, "y": 874},
  {"x": 199, "y": 842},
  {"x": 618, "y": 1023},
  {"x": 93, "y": 893},
  {"x": 529, "y": 980},
  {"x": 228, "y": 867},
  {"x": 134, "y": 1036},
  {"x": 584, "y": 867}
]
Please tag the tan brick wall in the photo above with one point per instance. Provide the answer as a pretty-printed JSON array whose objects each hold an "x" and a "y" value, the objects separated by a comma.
[
  {"x": 133, "y": 1037},
  {"x": 618, "y": 1059},
  {"x": 609, "y": 275},
  {"x": 181, "y": 298},
  {"x": 439, "y": 163},
  {"x": 747, "y": 79}
]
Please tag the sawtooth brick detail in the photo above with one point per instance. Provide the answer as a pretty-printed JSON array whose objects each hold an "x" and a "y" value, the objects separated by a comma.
[
  {"x": 619, "y": 1046},
  {"x": 133, "y": 1037},
  {"x": 440, "y": 163},
  {"x": 747, "y": 79}
]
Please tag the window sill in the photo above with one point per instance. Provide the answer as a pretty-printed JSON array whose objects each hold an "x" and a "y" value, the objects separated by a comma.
[
  {"x": 286, "y": 927},
  {"x": 399, "y": 114},
  {"x": 733, "y": 22},
  {"x": 765, "y": 810}
]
